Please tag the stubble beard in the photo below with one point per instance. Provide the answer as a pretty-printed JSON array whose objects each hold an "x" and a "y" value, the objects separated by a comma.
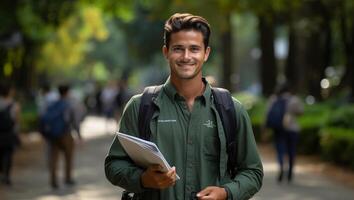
[{"x": 186, "y": 75}]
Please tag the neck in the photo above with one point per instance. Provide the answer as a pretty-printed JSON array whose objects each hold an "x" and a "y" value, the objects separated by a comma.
[{"x": 189, "y": 89}]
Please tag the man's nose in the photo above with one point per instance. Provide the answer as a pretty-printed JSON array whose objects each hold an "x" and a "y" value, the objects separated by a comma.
[{"x": 186, "y": 54}]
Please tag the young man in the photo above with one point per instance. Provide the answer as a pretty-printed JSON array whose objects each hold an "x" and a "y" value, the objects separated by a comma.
[
  {"x": 187, "y": 130},
  {"x": 63, "y": 112}
]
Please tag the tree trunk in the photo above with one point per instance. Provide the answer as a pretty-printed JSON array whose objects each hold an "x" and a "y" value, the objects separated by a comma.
[
  {"x": 227, "y": 42},
  {"x": 306, "y": 67},
  {"x": 350, "y": 62},
  {"x": 320, "y": 53},
  {"x": 24, "y": 75},
  {"x": 268, "y": 68},
  {"x": 314, "y": 60},
  {"x": 291, "y": 71},
  {"x": 348, "y": 43}
]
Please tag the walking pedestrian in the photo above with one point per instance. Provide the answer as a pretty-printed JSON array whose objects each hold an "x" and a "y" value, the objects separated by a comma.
[
  {"x": 58, "y": 123},
  {"x": 9, "y": 128},
  {"x": 188, "y": 130},
  {"x": 283, "y": 109}
]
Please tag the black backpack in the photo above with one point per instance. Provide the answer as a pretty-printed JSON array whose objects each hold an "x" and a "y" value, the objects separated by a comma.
[
  {"x": 7, "y": 123},
  {"x": 8, "y": 137},
  {"x": 224, "y": 105}
]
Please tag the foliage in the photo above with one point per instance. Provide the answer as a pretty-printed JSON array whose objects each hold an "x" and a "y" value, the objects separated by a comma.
[
  {"x": 315, "y": 115},
  {"x": 256, "y": 107},
  {"x": 122, "y": 9},
  {"x": 309, "y": 140},
  {"x": 247, "y": 99},
  {"x": 313, "y": 119},
  {"x": 28, "y": 117},
  {"x": 337, "y": 145},
  {"x": 67, "y": 48},
  {"x": 343, "y": 117},
  {"x": 65, "y": 38},
  {"x": 24, "y": 25}
]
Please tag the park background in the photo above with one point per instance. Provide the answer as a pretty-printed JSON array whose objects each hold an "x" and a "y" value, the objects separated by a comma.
[{"x": 256, "y": 44}]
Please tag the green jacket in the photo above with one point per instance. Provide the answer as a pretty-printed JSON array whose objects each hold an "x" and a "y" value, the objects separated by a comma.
[{"x": 194, "y": 142}]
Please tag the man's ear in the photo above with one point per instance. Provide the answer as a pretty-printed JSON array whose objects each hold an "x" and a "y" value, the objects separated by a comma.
[
  {"x": 207, "y": 52},
  {"x": 165, "y": 51}
]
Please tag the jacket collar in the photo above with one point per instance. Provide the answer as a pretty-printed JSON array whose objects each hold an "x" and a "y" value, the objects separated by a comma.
[{"x": 171, "y": 92}]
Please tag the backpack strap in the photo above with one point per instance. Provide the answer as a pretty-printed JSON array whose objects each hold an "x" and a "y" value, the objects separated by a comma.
[
  {"x": 225, "y": 107},
  {"x": 146, "y": 110}
]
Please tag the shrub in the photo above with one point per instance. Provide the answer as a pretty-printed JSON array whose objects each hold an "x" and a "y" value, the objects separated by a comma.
[
  {"x": 256, "y": 108},
  {"x": 28, "y": 118},
  {"x": 314, "y": 118},
  {"x": 342, "y": 117},
  {"x": 337, "y": 145},
  {"x": 28, "y": 122}
]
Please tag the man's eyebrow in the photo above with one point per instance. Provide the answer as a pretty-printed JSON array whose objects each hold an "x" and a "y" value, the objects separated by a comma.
[
  {"x": 180, "y": 45},
  {"x": 195, "y": 45},
  {"x": 177, "y": 45}
]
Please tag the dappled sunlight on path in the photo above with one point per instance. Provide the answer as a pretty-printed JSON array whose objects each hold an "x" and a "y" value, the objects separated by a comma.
[{"x": 93, "y": 127}]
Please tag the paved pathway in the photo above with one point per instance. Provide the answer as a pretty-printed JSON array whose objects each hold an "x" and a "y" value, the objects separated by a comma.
[
  {"x": 309, "y": 183},
  {"x": 30, "y": 177}
]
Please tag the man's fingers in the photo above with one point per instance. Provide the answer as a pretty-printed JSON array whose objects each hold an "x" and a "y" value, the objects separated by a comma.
[
  {"x": 155, "y": 178},
  {"x": 169, "y": 178},
  {"x": 204, "y": 192},
  {"x": 172, "y": 173},
  {"x": 212, "y": 193}
]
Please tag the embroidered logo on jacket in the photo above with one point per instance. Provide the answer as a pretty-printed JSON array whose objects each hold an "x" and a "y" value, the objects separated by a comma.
[{"x": 209, "y": 124}]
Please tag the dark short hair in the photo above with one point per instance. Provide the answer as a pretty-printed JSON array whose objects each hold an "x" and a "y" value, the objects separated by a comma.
[
  {"x": 63, "y": 89},
  {"x": 186, "y": 21},
  {"x": 4, "y": 89}
]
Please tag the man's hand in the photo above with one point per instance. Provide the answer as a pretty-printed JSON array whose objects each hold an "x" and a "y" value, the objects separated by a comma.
[
  {"x": 154, "y": 178},
  {"x": 212, "y": 193}
]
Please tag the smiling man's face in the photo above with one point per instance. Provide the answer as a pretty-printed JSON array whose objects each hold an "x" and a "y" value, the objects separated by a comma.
[{"x": 186, "y": 54}]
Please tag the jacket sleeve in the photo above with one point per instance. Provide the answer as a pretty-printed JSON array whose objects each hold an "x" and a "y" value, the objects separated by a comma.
[
  {"x": 249, "y": 177},
  {"x": 120, "y": 170}
]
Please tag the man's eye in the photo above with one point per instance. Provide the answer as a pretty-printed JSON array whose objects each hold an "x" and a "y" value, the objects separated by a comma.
[
  {"x": 177, "y": 49},
  {"x": 195, "y": 49}
]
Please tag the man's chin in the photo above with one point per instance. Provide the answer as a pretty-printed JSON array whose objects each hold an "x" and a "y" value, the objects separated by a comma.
[{"x": 186, "y": 76}]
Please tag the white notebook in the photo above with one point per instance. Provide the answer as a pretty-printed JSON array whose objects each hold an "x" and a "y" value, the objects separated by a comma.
[{"x": 143, "y": 152}]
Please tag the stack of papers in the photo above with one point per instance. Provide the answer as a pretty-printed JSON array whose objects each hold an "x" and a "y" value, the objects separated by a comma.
[{"x": 144, "y": 153}]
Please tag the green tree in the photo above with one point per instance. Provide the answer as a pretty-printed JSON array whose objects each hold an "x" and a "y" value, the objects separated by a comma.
[{"x": 26, "y": 25}]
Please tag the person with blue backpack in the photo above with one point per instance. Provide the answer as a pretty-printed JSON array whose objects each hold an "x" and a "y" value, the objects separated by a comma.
[
  {"x": 283, "y": 109},
  {"x": 203, "y": 132},
  {"x": 57, "y": 123}
]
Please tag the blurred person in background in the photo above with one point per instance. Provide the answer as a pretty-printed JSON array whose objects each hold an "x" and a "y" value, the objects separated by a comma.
[
  {"x": 9, "y": 129},
  {"x": 58, "y": 122},
  {"x": 45, "y": 97},
  {"x": 122, "y": 97},
  {"x": 282, "y": 110},
  {"x": 108, "y": 100}
]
